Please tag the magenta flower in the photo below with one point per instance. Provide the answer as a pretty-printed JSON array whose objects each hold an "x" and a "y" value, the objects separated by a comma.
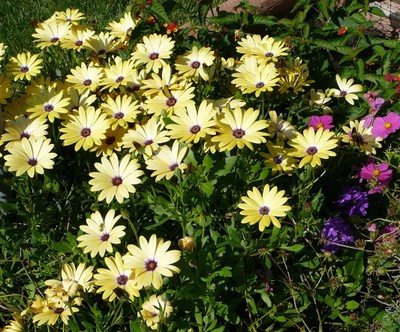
[
  {"x": 378, "y": 176},
  {"x": 324, "y": 121},
  {"x": 383, "y": 126},
  {"x": 375, "y": 105}
]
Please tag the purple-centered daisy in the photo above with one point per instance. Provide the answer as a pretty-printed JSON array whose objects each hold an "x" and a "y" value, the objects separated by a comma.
[
  {"x": 335, "y": 233},
  {"x": 383, "y": 126},
  {"x": 324, "y": 121},
  {"x": 353, "y": 202}
]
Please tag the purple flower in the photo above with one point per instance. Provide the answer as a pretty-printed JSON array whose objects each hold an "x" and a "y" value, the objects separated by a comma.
[
  {"x": 383, "y": 126},
  {"x": 375, "y": 104},
  {"x": 378, "y": 176},
  {"x": 324, "y": 121},
  {"x": 353, "y": 202},
  {"x": 335, "y": 233}
]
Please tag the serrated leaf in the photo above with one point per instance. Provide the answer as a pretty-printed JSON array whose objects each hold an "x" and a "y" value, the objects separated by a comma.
[
  {"x": 159, "y": 12},
  {"x": 268, "y": 21}
]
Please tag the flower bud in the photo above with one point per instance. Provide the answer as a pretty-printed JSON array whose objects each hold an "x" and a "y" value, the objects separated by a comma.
[{"x": 187, "y": 243}]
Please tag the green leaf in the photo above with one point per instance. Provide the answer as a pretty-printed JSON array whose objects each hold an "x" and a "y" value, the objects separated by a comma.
[
  {"x": 379, "y": 50},
  {"x": 268, "y": 21},
  {"x": 294, "y": 248},
  {"x": 207, "y": 163},
  {"x": 351, "y": 305},
  {"x": 377, "y": 11},
  {"x": 208, "y": 187},
  {"x": 159, "y": 12},
  {"x": 323, "y": 7},
  {"x": 355, "y": 268}
]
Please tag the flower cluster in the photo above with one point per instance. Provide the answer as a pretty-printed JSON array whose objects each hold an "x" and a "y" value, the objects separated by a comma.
[{"x": 335, "y": 234}]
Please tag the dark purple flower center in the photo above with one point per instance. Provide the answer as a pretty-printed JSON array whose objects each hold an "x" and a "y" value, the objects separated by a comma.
[
  {"x": 312, "y": 150},
  {"x": 238, "y": 133},
  {"x": 87, "y": 82},
  {"x": 32, "y": 161},
  {"x": 173, "y": 166},
  {"x": 343, "y": 93},
  {"x": 104, "y": 237},
  {"x": 278, "y": 159},
  {"x": 122, "y": 280},
  {"x": 25, "y": 134},
  {"x": 101, "y": 51},
  {"x": 85, "y": 132},
  {"x": 79, "y": 43},
  {"x": 48, "y": 108},
  {"x": 58, "y": 311},
  {"x": 171, "y": 101},
  {"x": 119, "y": 79},
  {"x": 260, "y": 85},
  {"x": 116, "y": 181},
  {"x": 151, "y": 265},
  {"x": 269, "y": 54},
  {"x": 54, "y": 40},
  {"x": 119, "y": 115},
  {"x": 195, "y": 64},
  {"x": 24, "y": 69},
  {"x": 153, "y": 56},
  {"x": 110, "y": 140},
  {"x": 195, "y": 129},
  {"x": 148, "y": 142},
  {"x": 263, "y": 210}
]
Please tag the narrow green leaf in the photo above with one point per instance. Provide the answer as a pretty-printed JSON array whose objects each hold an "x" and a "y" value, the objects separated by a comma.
[
  {"x": 159, "y": 12},
  {"x": 294, "y": 248}
]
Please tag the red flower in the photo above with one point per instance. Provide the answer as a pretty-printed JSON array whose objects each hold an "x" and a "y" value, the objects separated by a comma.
[
  {"x": 342, "y": 31},
  {"x": 171, "y": 27}
]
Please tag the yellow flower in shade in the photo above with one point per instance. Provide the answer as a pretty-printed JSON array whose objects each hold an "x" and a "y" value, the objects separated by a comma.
[
  {"x": 151, "y": 261},
  {"x": 85, "y": 77},
  {"x": 149, "y": 135},
  {"x": 15, "y": 325},
  {"x": 166, "y": 81},
  {"x": 50, "y": 33},
  {"x": 85, "y": 129},
  {"x": 84, "y": 99},
  {"x": 170, "y": 101},
  {"x": 357, "y": 136},
  {"x": 312, "y": 146},
  {"x": 115, "y": 179},
  {"x": 117, "y": 74},
  {"x": 240, "y": 128},
  {"x": 49, "y": 105},
  {"x": 100, "y": 233},
  {"x": 266, "y": 49},
  {"x": 166, "y": 161},
  {"x": 54, "y": 308},
  {"x": 294, "y": 76},
  {"x": 121, "y": 111},
  {"x": 21, "y": 127},
  {"x": 153, "y": 52},
  {"x": 252, "y": 77},
  {"x": 30, "y": 155},
  {"x": 123, "y": 28},
  {"x": 111, "y": 143},
  {"x": 264, "y": 208},
  {"x": 346, "y": 89},
  {"x": 102, "y": 44},
  {"x": 155, "y": 311},
  {"x": 192, "y": 125},
  {"x": 194, "y": 63},
  {"x": 281, "y": 128},
  {"x": 72, "y": 16},
  {"x": 76, "y": 38},
  {"x": 277, "y": 159},
  {"x": 77, "y": 278},
  {"x": 116, "y": 280},
  {"x": 25, "y": 65},
  {"x": 5, "y": 88}
]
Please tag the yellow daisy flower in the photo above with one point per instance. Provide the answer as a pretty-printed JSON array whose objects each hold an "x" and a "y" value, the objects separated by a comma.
[
  {"x": 100, "y": 233},
  {"x": 240, "y": 128},
  {"x": 76, "y": 38},
  {"x": 50, "y": 33},
  {"x": 2, "y": 51},
  {"x": 80, "y": 99},
  {"x": 30, "y": 155},
  {"x": 194, "y": 63},
  {"x": 277, "y": 159},
  {"x": 111, "y": 143},
  {"x": 122, "y": 29},
  {"x": 153, "y": 52},
  {"x": 115, "y": 179},
  {"x": 159, "y": 83},
  {"x": 170, "y": 101},
  {"x": 166, "y": 161},
  {"x": 24, "y": 65},
  {"x": 81, "y": 276},
  {"x": 346, "y": 89},
  {"x": 70, "y": 15},
  {"x": 5, "y": 88},
  {"x": 357, "y": 136},
  {"x": 117, "y": 74},
  {"x": 312, "y": 146},
  {"x": 15, "y": 325},
  {"x": 252, "y": 77},
  {"x": 85, "y": 77},
  {"x": 155, "y": 311},
  {"x": 117, "y": 280},
  {"x": 54, "y": 308},
  {"x": 149, "y": 135},
  {"x": 49, "y": 105},
  {"x": 85, "y": 129},
  {"x": 264, "y": 208},
  {"x": 191, "y": 125},
  {"x": 121, "y": 111},
  {"x": 102, "y": 44},
  {"x": 151, "y": 261},
  {"x": 283, "y": 129},
  {"x": 21, "y": 127}
]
